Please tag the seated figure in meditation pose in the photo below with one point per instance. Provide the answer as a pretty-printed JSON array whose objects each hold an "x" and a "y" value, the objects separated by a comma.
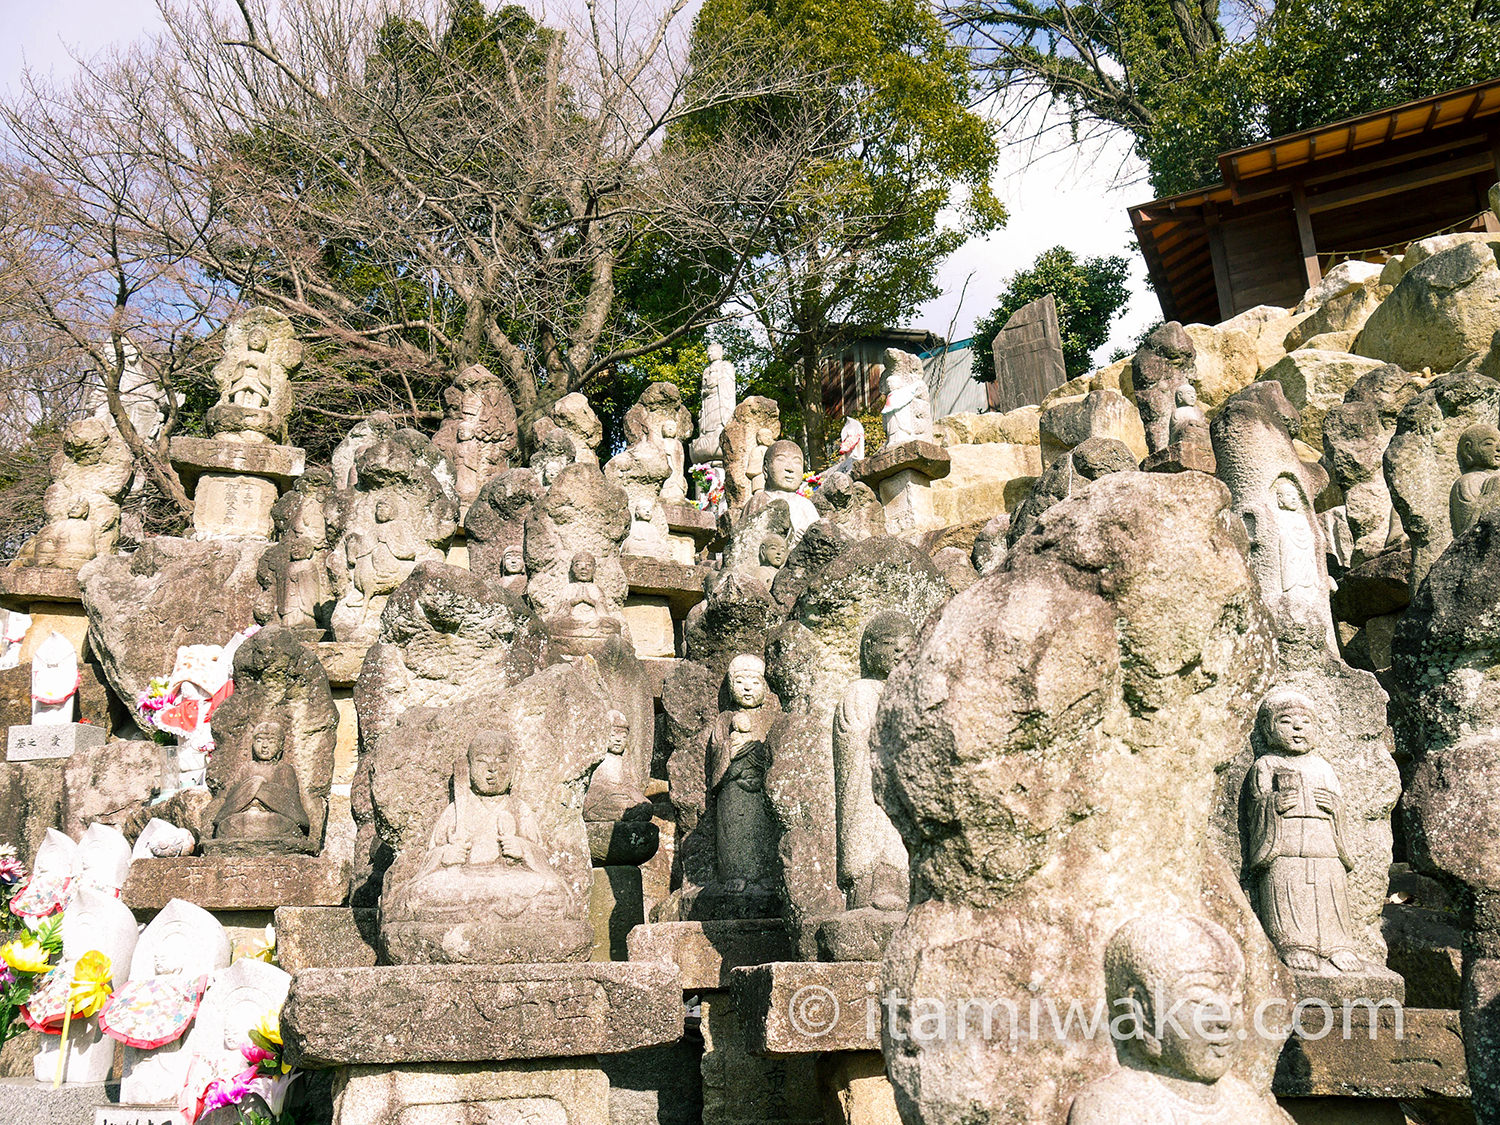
[{"x": 265, "y": 803}]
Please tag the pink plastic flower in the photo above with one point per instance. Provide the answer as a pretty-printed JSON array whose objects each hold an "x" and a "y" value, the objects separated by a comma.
[
  {"x": 227, "y": 1091},
  {"x": 12, "y": 870}
]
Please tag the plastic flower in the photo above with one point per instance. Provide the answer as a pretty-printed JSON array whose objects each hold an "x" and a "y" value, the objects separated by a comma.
[
  {"x": 90, "y": 987},
  {"x": 227, "y": 1091},
  {"x": 25, "y": 955},
  {"x": 267, "y": 1033},
  {"x": 12, "y": 870},
  {"x": 7, "y": 978},
  {"x": 264, "y": 950}
]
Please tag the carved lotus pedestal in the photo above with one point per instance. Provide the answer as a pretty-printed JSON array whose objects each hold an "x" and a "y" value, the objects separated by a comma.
[{"x": 233, "y": 484}]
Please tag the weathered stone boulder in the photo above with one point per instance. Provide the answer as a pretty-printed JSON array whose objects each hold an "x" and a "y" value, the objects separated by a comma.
[
  {"x": 1225, "y": 359},
  {"x": 1341, "y": 302},
  {"x": 1049, "y": 753},
  {"x": 1421, "y": 460},
  {"x": 1315, "y": 382},
  {"x": 580, "y": 513},
  {"x": 1068, "y": 476},
  {"x": 170, "y": 592},
  {"x": 1015, "y": 427},
  {"x": 1267, "y": 325},
  {"x": 1071, "y": 422},
  {"x": 496, "y": 521},
  {"x": 1444, "y": 310}
]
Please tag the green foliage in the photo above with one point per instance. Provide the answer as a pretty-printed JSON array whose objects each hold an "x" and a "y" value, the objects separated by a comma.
[
  {"x": 900, "y": 181},
  {"x": 1090, "y": 294},
  {"x": 1190, "y": 81}
]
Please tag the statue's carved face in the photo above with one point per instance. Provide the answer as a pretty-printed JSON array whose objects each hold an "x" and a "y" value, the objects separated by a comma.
[
  {"x": 619, "y": 733},
  {"x": 513, "y": 563},
  {"x": 747, "y": 684},
  {"x": 257, "y": 340},
  {"x": 784, "y": 469},
  {"x": 1198, "y": 1037},
  {"x": 1479, "y": 448},
  {"x": 881, "y": 652},
  {"x": 583, "y": 568},
  {"x": 1291, "y": 730},
  {"x": 773, "y": 551},
  {"x": 265, "y": 743},
  {"x": 489, "y": 766},
  {"x": 174, "y": 949},
  {"x": 1287, "y": 497}
]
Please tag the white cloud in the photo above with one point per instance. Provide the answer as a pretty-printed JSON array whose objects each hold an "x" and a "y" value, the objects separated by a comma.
[{"x": 1058, "y": 194}]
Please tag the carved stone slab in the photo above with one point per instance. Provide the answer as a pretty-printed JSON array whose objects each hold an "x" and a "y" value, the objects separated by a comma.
[
  {"x": 705, "y": 952},
  {"x": 192, "y": 457},
  {"x": 797, "y": 1007},
  {"x": 237, "y": 882},
  {"x": 680, "y": 585},
  {"x": 342, "y": 660},
  {"x": 476, "y": 1013},
  {"x": 31, "y": 743},
  {"x": 927, "y": 458},
  {"x": 28, "y": 584},
  {"x": 1427, "y": 1060}
]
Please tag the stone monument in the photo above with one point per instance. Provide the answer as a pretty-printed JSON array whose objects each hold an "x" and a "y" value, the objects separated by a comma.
[
  {"x": 1163, "y": 363},
  {"x": 90, "y": 475},
  {"x": 784, "y": 476},
  {"x": 478, "y": 434},
  {"x": 907, "y": 413},
  {"x": 52, "y": 732}
]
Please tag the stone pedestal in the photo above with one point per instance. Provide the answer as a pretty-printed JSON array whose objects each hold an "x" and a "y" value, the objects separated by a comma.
[
  {"x": 53, "y": 600},
  {"x": 31, "y": 742},
  {"x": 220, "y": 883},
  {"x": 437, "y": 1094},
  {"x": 902, "y": 477},
  {"x": 856, "y": 1090},
  {"x": 661, "y": 593},
  {"x": 616, "y": 905},
  {"x": 326, "y": 937},
  {"x": 649, "y": 619},
  {"x": 808, "y": 1007},
  {"x": 690, "y": 531},
  {"x": 27, "y": 1100},
  {"x": 704, "y": 953},
  {"x": 233, "y": 484},
  {"x": 855, "y": 935},
  {"x": 743, "y": 1088},
  {"x": 400, "y": 1014}
]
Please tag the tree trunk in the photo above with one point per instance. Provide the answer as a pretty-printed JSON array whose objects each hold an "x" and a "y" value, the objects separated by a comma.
[{"x": 810, "y": 398}]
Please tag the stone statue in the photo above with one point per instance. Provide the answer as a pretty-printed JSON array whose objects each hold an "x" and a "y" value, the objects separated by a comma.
[
  {"x": 907, "y": 413},
  {"x": 572, "y": 418},
  {"x": 52, "y": 871},
  {"x": 197, "y": 682},
  {"x": 1296, "y": 852},
  {"x": 872, "y": 861},
  {"x": 747, "y": 437},
  {"x": 237, "y": 999},
  {"x": 583, "y": 610},
  {"x": 141, "y": 395},
  {"x": 264, "y": 807},
  {"x": 478, "y": 433},
  {"x": 553, "y": 454},
  {"x": 181, "y": 948},
  {"x": 744, "y": 832},
  {"x": 513, "y": 569},
  {"x": 1478, "y": 488},
  {"x": 1301, "y": 576},
  {"x": 103, "y": 859},
  {"x": 295, "y": 589},
  {"x": 851, "y": 445},
  {"x": 255, "y": 394},
  {"x": 650, "y": 469},
  {"x": 615, "y": 811},
  {"x": 718, "y": 405},
  {"x": 1176, "y": 1068},
  {"x": 1162, "y": 364},
  {"x": 90, "y": 474},
  {"x": 13, "y": 629},
  {"x": 784, "y": 476},
  {"x": 773, "y": 553},
  {"x": 486, "y": 861},
  {"x": 94, "y": 921},
  {"x": 1189, "y": 424},
  {"x": 161, "y": 839},
  {"x": 54, "y": 681}
]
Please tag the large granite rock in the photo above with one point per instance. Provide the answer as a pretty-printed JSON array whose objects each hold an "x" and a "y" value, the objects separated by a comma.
[
  {"x": 170, "y": 592},
  {"x": 1225, "y": 359},
  {"x": 1049, "y": 753},
  {"x": 1421, "y": 460},
  {"x": 1069, "y": 476},
  {"x": 1317, "y": 381},
  {"x": 1444, "y": 310}
]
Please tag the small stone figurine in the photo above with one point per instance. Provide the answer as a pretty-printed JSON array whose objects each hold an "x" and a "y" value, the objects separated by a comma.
[
  {"x": 744, "y": 832},
  {"x": 1189, "y": 425},
  {"x": 615, "y": 811},
  {"x": 263, "y": 811},
  {"x": 1478, "y": 488},
  {"x": 54, "y": 681},
  {"x": 583, "y": 611},
  {"x": 907, "y": 413},
  {"x": 784, "y": 466},
  {"x": 1182, "y": 979},
  {"x": 1297, "y": 854}
]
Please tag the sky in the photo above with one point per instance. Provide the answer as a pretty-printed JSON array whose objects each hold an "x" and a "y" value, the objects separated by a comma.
[{"x": 1059, "y": 195}]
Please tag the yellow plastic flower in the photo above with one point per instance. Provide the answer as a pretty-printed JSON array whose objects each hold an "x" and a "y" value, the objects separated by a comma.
[
  {"x": 267, "y": 1033},
  {"x": 25, "y": 955},
  {"x": 91, "y": 984},
  {"x": 263, "y": 950}
]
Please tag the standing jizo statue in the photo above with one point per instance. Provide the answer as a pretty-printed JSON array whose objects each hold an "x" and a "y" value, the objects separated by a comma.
[
  {"x": 744, "y": 832},
  {"x": 1478, "y": 488},
  {"x": 255, "y": 396}
]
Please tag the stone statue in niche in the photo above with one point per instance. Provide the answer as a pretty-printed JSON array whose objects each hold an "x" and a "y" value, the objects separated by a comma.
[
  {"x": 907, "y": 412},
  {"x": 717, "y": 405},
  {"x": 1478, "y": 487},
  {"x": 1179, "y": 1068},
  {"x": 851, "y": 445},
  {"x": 747, "y": 438},
  {"x": 744, "y": 831},
  {"x": 264, "y": 809},
  {"x": 615, "y": 811},
  {"x": 1296, "y": 852},
  {"x": 1301, "y": 576},
  {"x": 486, "y": 861},
  {"x": 54, "y": 681},
  {"x": 650, "y": 469},
  {"x": 90, "y": 474},
  {"x": 784, "y": 476},
  {"x": 872, "y": 860},
  {"x": 295, "y": 588},
  {"x": 513, "y": 569},
  {"x": 552, "y": 456},
  {"x": 478, "y": 433},
  {"x": 255, "y": 396},
  {"x": 1189, "y": 423},
  {"x": 583, "y": 611},
  {"x": 773, "y": 553}
]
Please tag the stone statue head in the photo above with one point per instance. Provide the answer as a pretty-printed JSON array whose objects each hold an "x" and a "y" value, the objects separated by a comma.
[
  {"x": 1286, "y": 723},
  {"x": 514, "y": 560},
  {"x": 265, "y": 742},
  {"x": 1186, "y": 395},
  {"x": 490, "y": 763},
  {"x": 886, "y": 638},
  {"x": 385, "y": 511},
  {"x": 1479, "y": 448},
  {"x": 257, "y": 340},
  {"x": 1288, "y": 496},
  {"x": 773, "y": 551},
  {"x": 747, "y": 680},
  {"x": 784, "y": 467},
  {"x": 555, "y": 453},
  {"x": 301, "y": 548},
  {"x": 715, "y": 352},
  {"x": 1186, "y": 966},
  {"x": 582, "y": 568},
  {"x": 619, "y": 733}
]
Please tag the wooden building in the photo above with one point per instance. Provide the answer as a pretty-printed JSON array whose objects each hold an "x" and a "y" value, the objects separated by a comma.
[
  {"x": 1291, "y": 207},
  {"x": 851, "y": 371}
]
